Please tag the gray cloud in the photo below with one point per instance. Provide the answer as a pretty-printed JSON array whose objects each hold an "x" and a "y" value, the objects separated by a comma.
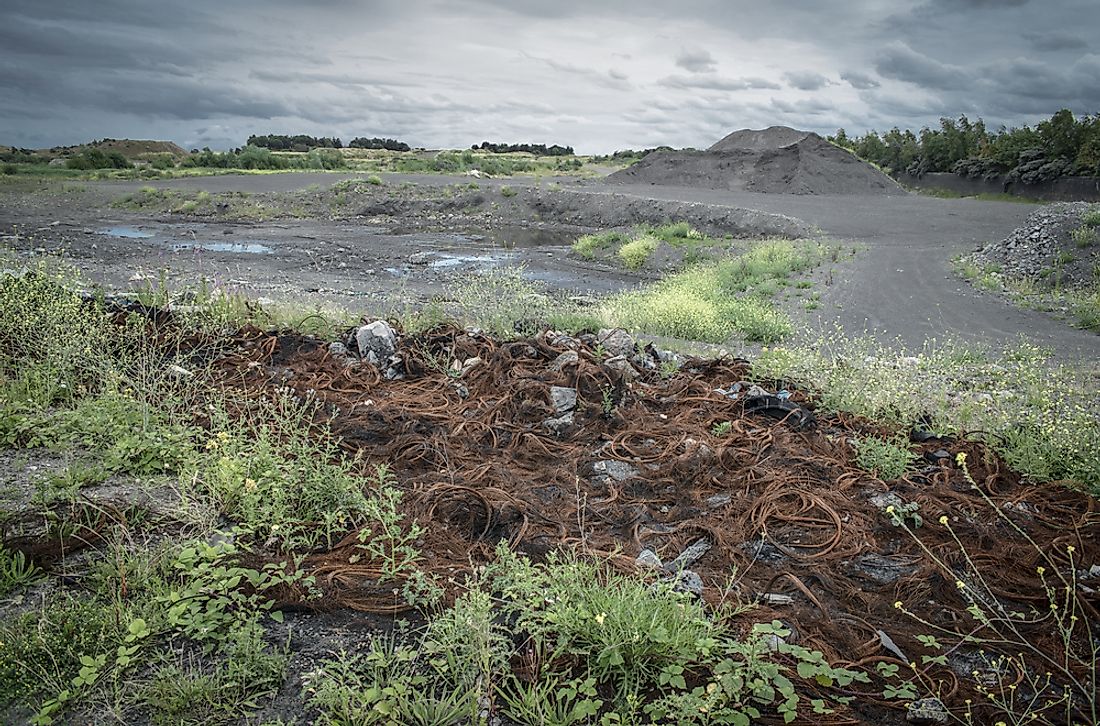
[
  {"x": 696, "y": 61},
  {"x": 859, "y": 80},
  {"x": 594, "y": 75},
  {"x": 900, "y": 62},
  {"x": 806, "y": 80},
  {"x": 711, "y": 82},
  {"x": 1055, "y": 40}
]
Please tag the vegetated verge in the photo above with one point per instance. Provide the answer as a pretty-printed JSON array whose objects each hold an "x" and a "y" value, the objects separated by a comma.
[
  {"x": 1051, "y": 263},
  {"x": 673, "y": 540}
]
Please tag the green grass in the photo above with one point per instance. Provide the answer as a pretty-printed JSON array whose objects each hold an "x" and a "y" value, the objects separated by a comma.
[
  {"x": 715, "y": 301},
  {"x": 588, "y": 245},
  {"x": 635, "y": 253},
  {"x": 1048, "y": 432},
  {"x": 887, "y": 459}
]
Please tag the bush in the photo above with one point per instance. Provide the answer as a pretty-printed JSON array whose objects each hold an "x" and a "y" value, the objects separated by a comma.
[
  {"x": 97, "y": 159},
  {"x": 635, "y": 253}
]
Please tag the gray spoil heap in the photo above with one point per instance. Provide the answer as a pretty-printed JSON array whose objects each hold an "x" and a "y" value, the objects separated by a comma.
[
  {"x": 776, "y": 160},
  {"x": 1044, "y": 248}
]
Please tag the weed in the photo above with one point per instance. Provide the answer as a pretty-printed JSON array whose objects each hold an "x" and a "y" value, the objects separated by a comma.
[
  {"x": 16, "y": 571},
  {"x": 1063, "y": 687},
  {"x": 507, "y": 191},
  {"x": 1044, "y": 431},
  {"x": 184, "y": 692},
  {"x": 588, "y": 245},
  {"x": 282, "y": 478},
  {"x": 721, "y": 428},
  {"x": 1084, "y": 236},
  {"x": 635, "y": 253},
  {"x": 885, "y": 458}
]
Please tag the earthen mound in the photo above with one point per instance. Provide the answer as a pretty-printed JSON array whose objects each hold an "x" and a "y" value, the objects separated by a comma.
[{"x": 776, "y": 160}]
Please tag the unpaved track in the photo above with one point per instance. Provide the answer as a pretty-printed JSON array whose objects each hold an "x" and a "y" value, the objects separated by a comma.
[{"x": 900, "y": 284}]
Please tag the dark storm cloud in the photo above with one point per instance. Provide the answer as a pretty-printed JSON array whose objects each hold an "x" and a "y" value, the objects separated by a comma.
[
  {"x": 902, "y": 63},
  {"x": 596, "y": 75},
  {"x": 1055, "y": 40},
  {"x": 806, "y": 80},
  {"x": 696, "y": 61}
]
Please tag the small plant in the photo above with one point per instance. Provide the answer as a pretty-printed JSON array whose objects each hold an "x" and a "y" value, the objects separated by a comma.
[
  {"x": 1059, "y": 686},
  {"x": 635, "y": 253},
  {"x": 507, "y": 191},
  {"x": 885, "y": 458},
  {"x": 721, "y": 428},
  {"x": 374, "y": 180},
  {"x": 16, "y": 571},
  {"x": 1084, "y": 236}
]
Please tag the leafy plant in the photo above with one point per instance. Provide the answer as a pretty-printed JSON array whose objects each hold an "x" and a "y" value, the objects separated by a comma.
[
  {"x": 885, "y": 458},
  {"x": 16, "y": 571}
]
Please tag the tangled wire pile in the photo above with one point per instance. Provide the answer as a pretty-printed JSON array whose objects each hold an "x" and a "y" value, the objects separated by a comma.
[{"x": 772, "y": 507}]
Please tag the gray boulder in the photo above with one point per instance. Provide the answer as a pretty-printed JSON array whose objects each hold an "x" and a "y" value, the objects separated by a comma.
[{"x": 377, "y": 342}]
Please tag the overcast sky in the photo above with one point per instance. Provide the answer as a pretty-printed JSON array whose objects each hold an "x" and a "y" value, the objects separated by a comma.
[{"x": 597, "y": 74}]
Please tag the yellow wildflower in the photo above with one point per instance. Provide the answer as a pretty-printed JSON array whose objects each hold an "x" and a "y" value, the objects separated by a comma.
[
  {"x": 600, "y": 618},
  {"x": 943, "y": 519},
  {"x": 960, "y": 458}
]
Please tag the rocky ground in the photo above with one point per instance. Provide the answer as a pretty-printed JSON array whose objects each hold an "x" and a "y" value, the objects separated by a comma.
[{"x": 1053, "y": 245}]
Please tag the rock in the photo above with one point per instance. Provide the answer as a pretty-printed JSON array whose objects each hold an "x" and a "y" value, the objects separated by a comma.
[
  {"x": 568, "y": 358},
  {"x": 776, "y": 599},
  {"x": 648, "y": 558},
  {"x": 469, "y": 364},
  {"x": 563, "y": 399},
  {"x": 180, "y": 371},
  {"x": 691, "y": 554},
  {"x": 377, "y": 342},
  {"x": 337, "y": 350},
  {"x": 616, "y": 342},
  {"x": 927, "y": 711},
  {"x": 756, "y": 391},
  {"x": 690, "y": 582},
  {"x": 877, "y": 568},
  {"x": 559, "y": 424},
  {"x": 420, "y": 258},
  {"x": 937, "y": 455},
  {"x": 614, "y": 469},
  {"x": 886, "y": 499},
  {"x": 622, "y": 366},
  {"x": 716, "y": 501}
]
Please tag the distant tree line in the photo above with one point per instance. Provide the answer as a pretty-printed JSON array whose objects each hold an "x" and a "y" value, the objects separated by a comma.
[
  {"x": 629, "y": 155},
  {"x": 298, "y": 142},
  {"x": 258, "y": 157},
  {"x": 376, "y": 143},
  {"x": 535, "y": 149},
  {"x": 1062, "y": 145},
  {"x": 303, "y": 142}
]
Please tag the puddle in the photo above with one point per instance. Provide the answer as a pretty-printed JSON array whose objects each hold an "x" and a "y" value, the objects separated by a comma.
[
  {"x": 446, "y": 260},
  {"x": 246, "y": 248},
  {"x": 512, "y": 237},
  {"x": 125, "y": 232}
]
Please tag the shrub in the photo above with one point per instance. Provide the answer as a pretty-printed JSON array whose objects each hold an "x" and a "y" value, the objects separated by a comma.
[
  {"x": 589, "y": 244},
  {"x": 635, "y": 253}
]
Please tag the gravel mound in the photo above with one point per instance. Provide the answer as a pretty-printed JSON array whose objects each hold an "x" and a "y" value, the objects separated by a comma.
[
  {"x": 1046, "y": 241},
  {"x": 776, "y": 160}
]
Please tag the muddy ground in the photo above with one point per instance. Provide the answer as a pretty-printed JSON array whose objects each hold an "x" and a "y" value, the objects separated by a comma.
[{"x": 415, "y": 233}]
